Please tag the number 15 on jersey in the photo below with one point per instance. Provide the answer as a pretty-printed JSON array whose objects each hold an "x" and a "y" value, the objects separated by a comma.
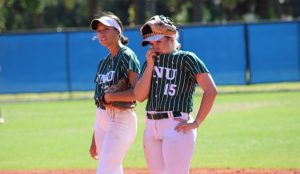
[{"x": 170, "y": 89}]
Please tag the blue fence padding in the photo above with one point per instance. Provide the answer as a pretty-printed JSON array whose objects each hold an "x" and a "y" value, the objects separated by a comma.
[
  {"x": 274, "y": 52},
  {"x": 135, "y": 41},
  {"x": 221, "y": 48},
  {"x": 32, "y": 63},
  {"x": 67, "y": 61},
  {"x": 85, "y": 54}
]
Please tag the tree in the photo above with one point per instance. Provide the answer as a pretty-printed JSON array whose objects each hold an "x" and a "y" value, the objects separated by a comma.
[
  {"x": 18, "y": 14},
  {"x": 118, "y": 7},
  {"x": 41, "y": 14},
  {"x": 138, "y": 7}
]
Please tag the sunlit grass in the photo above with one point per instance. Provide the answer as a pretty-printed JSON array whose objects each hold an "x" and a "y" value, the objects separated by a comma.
[{"x": 244, "y": 130}]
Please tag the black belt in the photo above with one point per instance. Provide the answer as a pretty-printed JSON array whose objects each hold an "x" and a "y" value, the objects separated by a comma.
[
  {"x": 99, "y": 104},
  {"x": 159, "y": 116}
]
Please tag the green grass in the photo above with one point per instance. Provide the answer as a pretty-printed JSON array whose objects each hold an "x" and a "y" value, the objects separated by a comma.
[
  {"x": 46, "y": 134},
  {"x": 244, "y": 130},
  {"x": 257, "y": 130}
]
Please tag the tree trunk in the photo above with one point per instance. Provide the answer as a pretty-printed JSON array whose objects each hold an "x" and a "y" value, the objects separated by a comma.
[
  {"x": 139, "y": 11},
  {"x": 197, "y": 10},
  {"x": 92, "y": 5}
]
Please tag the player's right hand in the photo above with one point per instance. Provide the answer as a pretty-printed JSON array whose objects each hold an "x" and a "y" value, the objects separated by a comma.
[{"x": 150, "y": 56}]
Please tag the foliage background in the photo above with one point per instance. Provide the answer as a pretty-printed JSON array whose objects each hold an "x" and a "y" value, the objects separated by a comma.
[{"x": 59, "y": 14}]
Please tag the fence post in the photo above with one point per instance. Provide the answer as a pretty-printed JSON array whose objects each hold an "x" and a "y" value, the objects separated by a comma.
[
  {"x": 298, "y": 46},
  {"x": 247, "y": 55},
  {"x": 68, "y": 65}
]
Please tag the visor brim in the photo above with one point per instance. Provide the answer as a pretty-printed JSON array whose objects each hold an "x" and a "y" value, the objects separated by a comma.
[{"x": 151, "y": 38}]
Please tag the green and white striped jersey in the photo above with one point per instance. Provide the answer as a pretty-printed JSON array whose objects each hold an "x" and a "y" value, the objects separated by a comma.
[
  {"x": 110, "y": 71},
  {"x": 173, "y": 81}
]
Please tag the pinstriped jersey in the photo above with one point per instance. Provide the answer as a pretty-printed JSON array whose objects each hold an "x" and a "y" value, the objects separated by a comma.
[
  {"x": 173, "y": 81},
  {"x": 111, "y": 70}
]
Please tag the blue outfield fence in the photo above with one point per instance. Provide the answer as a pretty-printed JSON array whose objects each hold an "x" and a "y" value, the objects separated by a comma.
[
  {"x": 235, "y": 54},
  {"x": 221, "y": 48},
  {"x": 33, "y": 63},
  {"x": 274, "y": 52}
]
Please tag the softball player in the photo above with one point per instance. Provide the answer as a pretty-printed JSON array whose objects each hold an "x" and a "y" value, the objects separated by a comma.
[
  {"x": 168, "y": 81},
  {"x": 116, "y": 124}
]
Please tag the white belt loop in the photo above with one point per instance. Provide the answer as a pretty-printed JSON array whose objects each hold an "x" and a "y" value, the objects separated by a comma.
[
  {"x": 170, "y": 114},
  {"x": 152, "y": 116}
]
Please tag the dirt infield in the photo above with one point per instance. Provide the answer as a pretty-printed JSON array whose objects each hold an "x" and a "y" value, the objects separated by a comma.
[{"x": 144, "y": 171}]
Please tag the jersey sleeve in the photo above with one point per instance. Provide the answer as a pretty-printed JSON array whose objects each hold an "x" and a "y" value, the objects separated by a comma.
[
  {"x": 194, "y": 65},
  {"x": 98, "y": 69},
  {"x": 131, "y": 62}
]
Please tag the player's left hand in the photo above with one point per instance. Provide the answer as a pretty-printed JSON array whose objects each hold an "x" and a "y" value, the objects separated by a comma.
[
  {"x": 185, "y": 126},
  {"x": 93, "y": 150},
  {"x": 106, "y": 98}
]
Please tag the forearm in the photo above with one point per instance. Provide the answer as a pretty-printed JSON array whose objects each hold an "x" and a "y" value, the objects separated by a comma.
[
  {"x": 126, "y": 96},
  {"x": 207, "y": 101},
  {"x": 142, "y": 88}
]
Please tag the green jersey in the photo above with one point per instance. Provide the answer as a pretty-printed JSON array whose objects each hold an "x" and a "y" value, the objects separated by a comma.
[
  {"x": 111, "y": 70},
  {"x": 173, "y": 81}
]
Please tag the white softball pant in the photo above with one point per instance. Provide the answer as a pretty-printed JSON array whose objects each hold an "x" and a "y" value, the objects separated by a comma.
[
  {"x": 166, "y": 150},
  {"x": 115, "y": 132}
]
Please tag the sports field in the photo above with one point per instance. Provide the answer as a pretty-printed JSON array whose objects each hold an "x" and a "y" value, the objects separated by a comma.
[{"x": 250, "y": 128}]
